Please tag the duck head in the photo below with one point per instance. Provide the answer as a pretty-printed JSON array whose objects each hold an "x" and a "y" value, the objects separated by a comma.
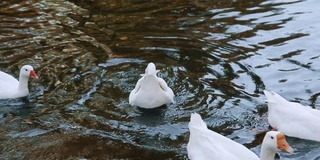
[
  {"x": 28, "y": 71},
  {"x": 277, "y": 142}
]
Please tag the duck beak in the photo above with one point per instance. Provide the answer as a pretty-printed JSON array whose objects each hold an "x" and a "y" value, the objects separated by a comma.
[
  {"x": 33, "y": 74},
  {"x": 283, "y": 144}
]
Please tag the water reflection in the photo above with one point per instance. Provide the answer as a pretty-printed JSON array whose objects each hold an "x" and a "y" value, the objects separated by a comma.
[
  {"x": 217, "y": 56},
  {"x": 20, "y": 107},
  {"x": 152, "y": 117}
]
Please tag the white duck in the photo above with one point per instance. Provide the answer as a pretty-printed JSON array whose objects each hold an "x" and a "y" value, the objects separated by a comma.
[
  {"x": 205, "y": 144},
  {"x": 11, "y": 87},
  {"x": 150, "y": 90},
  {"x": 291, "y": 118}
]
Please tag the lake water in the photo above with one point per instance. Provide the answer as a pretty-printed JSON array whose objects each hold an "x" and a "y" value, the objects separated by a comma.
[{"x": 217, "y": 56}]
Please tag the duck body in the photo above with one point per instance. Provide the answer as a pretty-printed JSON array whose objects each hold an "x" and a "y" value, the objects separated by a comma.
[
  {"x": 205, "y": 144},
  {"x": 150, "y": 90},
  {"x": 293, "y": 119},
  {"x": 11, "y": 87}
]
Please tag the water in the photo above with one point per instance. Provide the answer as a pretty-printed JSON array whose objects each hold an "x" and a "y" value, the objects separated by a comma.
[{"x": 217, "y": 56}]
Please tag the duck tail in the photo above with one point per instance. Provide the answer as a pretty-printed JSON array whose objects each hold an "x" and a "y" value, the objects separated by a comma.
[
  {"x": 196, "y": 121},
  {"x": 270, "y": 96},
  {"x": 273, "y": 97}
]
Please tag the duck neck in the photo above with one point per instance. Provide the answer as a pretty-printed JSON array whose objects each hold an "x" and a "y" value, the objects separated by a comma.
[
  {"x": 267, "y": 153},
  {"x": 23, "y": 84}
]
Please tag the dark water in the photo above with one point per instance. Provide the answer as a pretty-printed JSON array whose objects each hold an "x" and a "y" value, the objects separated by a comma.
[{"x": 217, "y": 56}]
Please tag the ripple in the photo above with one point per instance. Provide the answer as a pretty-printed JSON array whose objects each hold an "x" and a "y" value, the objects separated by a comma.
[{"x": 217, "y": 58}]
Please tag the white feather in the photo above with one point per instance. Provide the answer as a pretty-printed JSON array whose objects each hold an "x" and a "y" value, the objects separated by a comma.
[
  {"x": 293, "y": 119},
  {"x": 150, "y": 90}
]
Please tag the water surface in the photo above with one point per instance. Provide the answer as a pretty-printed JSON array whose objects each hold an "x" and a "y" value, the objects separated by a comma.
[{"x": 217, "y": 56}]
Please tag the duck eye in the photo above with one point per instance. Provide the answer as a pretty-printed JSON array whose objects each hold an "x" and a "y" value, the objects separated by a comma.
[
  {"x": 26, "y": 69},
  {"x": 271, "y": 137}
]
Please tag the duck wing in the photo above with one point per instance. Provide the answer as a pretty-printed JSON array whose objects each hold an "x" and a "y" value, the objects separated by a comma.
[
  {"x": 293, "y": 119},
  {"x": 206, "y": 144},
  {"x": 134, "y": 92},
  {"x": 164, "y": 86},
  {"x": 7, "y": 82}
]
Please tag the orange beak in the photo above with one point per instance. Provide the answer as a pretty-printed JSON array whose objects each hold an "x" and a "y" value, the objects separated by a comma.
[
  {"x": 33, "y": 74},
  {"x": 283, "y": 144}
]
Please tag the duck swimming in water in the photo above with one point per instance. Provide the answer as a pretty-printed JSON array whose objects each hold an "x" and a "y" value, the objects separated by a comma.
[
  {"x": 150, "y": 90},
  {"x": 11, "y": 87},
  {"x": 291, "y": 118},
  {"x": 205, "y": 144}
]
